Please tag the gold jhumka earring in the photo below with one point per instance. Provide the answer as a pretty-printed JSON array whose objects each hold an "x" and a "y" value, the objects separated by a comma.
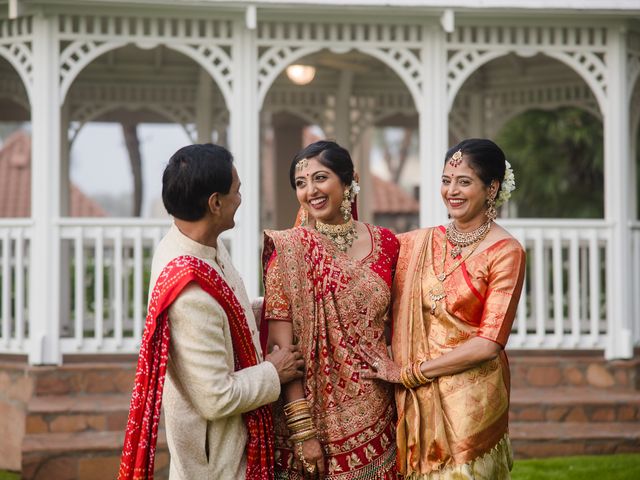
[
  {"x": 345, "y": 206},
  {"x": 491, "y": 212}
]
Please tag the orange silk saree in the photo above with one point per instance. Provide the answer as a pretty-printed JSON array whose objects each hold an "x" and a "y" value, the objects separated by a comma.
[{"x": 457, "y": 426}]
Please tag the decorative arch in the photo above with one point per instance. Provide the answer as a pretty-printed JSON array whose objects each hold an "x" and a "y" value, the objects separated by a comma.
[
  {"x": 20, "y": 56},
  {"x": 77, "y": 55},
  {"x": 589, "y": 66},
  {"x": 273, "y": 61},
  {"x": 406, "y": 65},
  {"x": 216, "y": 61}
]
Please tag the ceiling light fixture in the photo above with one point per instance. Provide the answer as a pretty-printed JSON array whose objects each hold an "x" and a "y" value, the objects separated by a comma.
[{"x": 301, "y": 74}]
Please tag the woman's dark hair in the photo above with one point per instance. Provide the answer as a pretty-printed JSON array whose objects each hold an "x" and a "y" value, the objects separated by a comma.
[
  {"x": 193, "y": 174},
  {"x": 485, "y": 158},
  {"x": 329, "y": 154}
]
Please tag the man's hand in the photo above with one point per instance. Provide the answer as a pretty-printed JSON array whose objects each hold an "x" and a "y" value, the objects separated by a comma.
[{"x": 288, "y": 362}]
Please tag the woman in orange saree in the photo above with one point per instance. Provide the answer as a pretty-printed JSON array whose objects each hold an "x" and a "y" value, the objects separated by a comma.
[
  {"x": 327, "y": 288},
  {"x": 455, "y": 294}
]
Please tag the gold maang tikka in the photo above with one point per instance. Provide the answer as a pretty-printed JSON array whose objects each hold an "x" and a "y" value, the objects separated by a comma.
[
  {"x": 302, "y": 164},
  {"x": 456, "y": 159}
]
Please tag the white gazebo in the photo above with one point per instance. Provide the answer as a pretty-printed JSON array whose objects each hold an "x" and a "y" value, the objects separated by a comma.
[{"x": 451, "y": 69}]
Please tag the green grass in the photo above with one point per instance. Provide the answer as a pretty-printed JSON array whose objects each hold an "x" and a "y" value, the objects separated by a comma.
[{"x": 606, "y": 467}]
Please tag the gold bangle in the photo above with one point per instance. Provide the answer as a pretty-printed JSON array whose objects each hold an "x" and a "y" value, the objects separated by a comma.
[{"x": 421, "y": 376}]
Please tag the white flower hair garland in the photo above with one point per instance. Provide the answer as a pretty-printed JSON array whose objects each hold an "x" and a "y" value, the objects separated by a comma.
[
  {"x": 354, "y": 190},
  {"x": 507, "y": 186}
]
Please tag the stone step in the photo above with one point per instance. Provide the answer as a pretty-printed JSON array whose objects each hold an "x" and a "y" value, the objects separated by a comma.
[
  {"x": 81, "y": 456},
  {"x": 84, "y": 378},
  {"x": 66, "y": 413},
  {"x": 574, "y": 405},
  {"x": 553, "y": 439},
  {"x": 544, "y": 369}
]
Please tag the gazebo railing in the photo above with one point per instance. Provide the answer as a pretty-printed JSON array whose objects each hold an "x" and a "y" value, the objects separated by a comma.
[
  {"x": 635, "y": 285},
  {"x": 563, "y": 304},
  {"x": 15, "y": 237},
  {"x": 105, "y": 285},
  {"x": 105, "y": 265}
]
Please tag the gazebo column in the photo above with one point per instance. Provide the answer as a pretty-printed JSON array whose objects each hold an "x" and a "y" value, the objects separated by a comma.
[
  {"x": 44, "y": 278},
  {"x": 244, "y": 143},
  {"x": 434, "y": 125},
  {"x": 362, "y": 154},
  {"x": 65, "y": 211},
  {"x": 476, "y": 115},
  {"x": 617, "y": 194},
  {"x": 204, "y": 124},
  {"x": 343, "y": 109},
  {"x": 287, "y": 141}
]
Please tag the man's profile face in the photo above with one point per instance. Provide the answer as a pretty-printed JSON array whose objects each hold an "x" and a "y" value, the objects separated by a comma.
[{"x": 231, "y": 201}]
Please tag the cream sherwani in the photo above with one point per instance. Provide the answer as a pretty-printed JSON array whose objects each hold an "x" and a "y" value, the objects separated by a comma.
[{"x": 204, "y": 397}]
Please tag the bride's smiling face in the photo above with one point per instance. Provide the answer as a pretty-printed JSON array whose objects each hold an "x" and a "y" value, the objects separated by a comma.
[{"x": 320, "y": 192}]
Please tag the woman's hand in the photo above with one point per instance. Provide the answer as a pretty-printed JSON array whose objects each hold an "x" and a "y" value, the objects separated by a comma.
[
  {"x": 310, "y": 458},
  {"x": 381, "y": 367}
]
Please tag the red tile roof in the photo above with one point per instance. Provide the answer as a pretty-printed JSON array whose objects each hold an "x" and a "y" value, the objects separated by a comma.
[
  {"x": 389, "y": 198},
  {"x": 15, "y": 182}
]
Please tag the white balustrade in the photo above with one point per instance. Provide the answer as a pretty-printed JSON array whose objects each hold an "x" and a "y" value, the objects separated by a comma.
[
  {"x": 15, "y": 236},
  {"x": 634, "y": 264},
  {"x": 107, "y": 281},
  {"x": 563, "y": 304}
]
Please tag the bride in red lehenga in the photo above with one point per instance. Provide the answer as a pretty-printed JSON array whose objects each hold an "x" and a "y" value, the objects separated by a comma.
[{"x": 327, "y": 288}]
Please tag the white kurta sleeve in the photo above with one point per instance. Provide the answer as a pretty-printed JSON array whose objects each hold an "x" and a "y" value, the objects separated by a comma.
[{"x": 199, "y": 358}]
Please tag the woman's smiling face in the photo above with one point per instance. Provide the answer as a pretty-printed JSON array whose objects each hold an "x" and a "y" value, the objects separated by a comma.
[
  {"x": 464, "y": 193},
  {"x": 320, "y": 192}
]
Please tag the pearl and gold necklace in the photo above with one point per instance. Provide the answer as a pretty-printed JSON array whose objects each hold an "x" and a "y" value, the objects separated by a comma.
[
  {"x": 341, "y": 235},
  {"x": 461, "y": 240}
]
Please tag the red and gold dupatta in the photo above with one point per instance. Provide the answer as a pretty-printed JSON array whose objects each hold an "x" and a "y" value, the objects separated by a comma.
[{"x": 141, "y": 436}]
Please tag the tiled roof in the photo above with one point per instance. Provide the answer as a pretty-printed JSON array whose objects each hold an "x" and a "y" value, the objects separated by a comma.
[
  {"x": 15, "y": 182},
  {"x": 389, "y": 198}
]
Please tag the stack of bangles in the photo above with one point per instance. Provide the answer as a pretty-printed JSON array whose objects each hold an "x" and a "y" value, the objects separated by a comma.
[
  {"x": 412, "y": 376},
  {"x": 300, "y": 424}
]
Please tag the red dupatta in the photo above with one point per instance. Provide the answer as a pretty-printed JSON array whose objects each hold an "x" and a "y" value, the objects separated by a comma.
[{"x": 141, "y": 436}]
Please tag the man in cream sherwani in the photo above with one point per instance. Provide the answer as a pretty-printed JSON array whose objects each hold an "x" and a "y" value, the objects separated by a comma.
[{"x": 204, "y": 397}]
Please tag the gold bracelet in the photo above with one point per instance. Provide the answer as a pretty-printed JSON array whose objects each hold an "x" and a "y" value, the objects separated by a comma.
[{"x": 307, "y": 466}]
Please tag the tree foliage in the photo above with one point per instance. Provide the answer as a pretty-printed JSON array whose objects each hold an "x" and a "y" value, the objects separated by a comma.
[{"x": 558, "y": 159}]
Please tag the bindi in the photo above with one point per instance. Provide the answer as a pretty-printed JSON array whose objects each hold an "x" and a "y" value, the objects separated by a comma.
[{"x": 456, "y": 159}]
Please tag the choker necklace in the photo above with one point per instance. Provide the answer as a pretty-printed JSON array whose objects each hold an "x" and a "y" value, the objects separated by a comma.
[
  {"x": 341, "y": 235},
  {"x": 464, "y": 239}
]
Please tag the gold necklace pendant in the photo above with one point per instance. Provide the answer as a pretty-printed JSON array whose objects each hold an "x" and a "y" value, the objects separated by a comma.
[
  {"x": 438, "y": 292},
  {"x": 342, "y": 235}
]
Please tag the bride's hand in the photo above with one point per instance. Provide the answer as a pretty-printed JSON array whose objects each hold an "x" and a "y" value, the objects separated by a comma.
[{"x": 381, "y": 367}]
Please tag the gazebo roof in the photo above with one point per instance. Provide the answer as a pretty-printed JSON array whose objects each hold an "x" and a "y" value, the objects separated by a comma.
[{"x": 434, "y": 6}]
